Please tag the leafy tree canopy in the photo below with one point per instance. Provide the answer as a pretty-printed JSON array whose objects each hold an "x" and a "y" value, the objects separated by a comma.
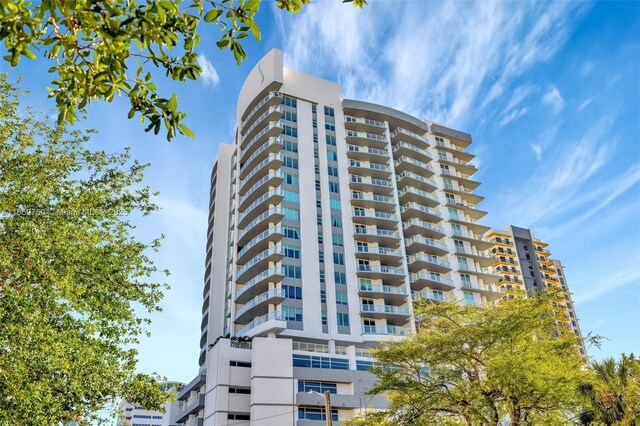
[
  {"x": 507, "y": 364},
  {"x": 93, "y": 44},
  {"x": 71, "y": 274}
]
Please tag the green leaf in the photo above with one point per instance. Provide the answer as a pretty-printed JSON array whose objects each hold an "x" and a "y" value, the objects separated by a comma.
[
  {"x": 212, "y": 15},
  {"x": 173, "y": 103},
  {"x": 186, "y": 131}
]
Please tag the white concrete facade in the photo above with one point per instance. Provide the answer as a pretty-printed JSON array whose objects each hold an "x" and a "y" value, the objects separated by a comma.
[{"x": 328, "y": 217}]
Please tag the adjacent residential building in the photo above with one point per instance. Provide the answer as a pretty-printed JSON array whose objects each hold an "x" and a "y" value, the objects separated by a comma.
[
  {"x": 132, "y": 414},
  {"x": 525, "y": 262},
  {"x": 328, "y": 217}
]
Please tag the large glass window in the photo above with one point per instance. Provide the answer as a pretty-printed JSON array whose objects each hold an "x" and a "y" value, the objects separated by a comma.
[
  {"x": 320, "y": 362},
  {"x": 320, "y": 387}
]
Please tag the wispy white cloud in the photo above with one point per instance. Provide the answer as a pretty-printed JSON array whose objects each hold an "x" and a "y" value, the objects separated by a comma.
[
  {"x": 446, "y": 62},
  {"x": 537, "y": 150},
  {"x": 512, "y": 116},
  {"x": 599, "y": 286},
  {"x": 553, "y": 99},
  {"x": 209, "y": 75}
]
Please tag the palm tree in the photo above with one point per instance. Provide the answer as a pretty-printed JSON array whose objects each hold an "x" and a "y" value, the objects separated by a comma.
[{"x": 613, "y": 397}]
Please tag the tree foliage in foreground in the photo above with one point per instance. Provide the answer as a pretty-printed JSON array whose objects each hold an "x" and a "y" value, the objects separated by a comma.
[
  {"x": 94, "y": 43},
  {"x": 497, "y": 365},
  {"x": 612, "y": 398},
  {"x": 71, "y": 273}
]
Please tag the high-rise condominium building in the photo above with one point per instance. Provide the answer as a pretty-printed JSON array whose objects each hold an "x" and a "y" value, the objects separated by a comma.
[
  {"x": 328, "y": 217},
  {"x": 133, "y": 414},
  {"x": 525, "y": 262}
]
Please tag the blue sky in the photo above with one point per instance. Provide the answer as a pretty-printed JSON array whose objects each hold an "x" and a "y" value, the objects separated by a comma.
[{"x": 549, "y": 91}]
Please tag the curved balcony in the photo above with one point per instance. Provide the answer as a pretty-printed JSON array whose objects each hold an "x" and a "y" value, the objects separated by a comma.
[
  {"x": 380, "y": 202},
  {"x": 356, "y": 152},
  {"x": 273, "y": 321},
  {"x": 400, "y": 134},
  {"x": 417, "y": 181},
  {"x": 410, "y": 150},
  {"x": 257, "y": 225},
  {"x": 429, "y": 295},
  {"x": 387, "y": 273},
  {"x": 483, "y": 259},
  {"x": 418, "y": 243},
  {"x": 386, "y": 292},
  {"x": 274, "y": 128},
  {"x": 259, "y": 305},
  {"x": 366, "y": 184},
  {"x": 455, "y": 150},
  {"x": 269, "y": 164},
  {"x": 414, "y": 227},
  {"x": 375, "y": 170},
  {"x": 422, "y": 279},
  {"x": 469, "y": 209},
  {"x": 382, "y": 236},
  {"x": 384, "y": 311},
  {"x": 489, "y": 291},
  {"x": 464, "y": 193},
  {"x": 365, "y": 138},
  {"x": 386, "y": 330},
  {"x": 203, "y": 335},
  {"x": 272, "y": 98},
  {"x": 464, "y": 180},
  {"x": 421, "y": 261},
  {"x": 273, "y": 145},
  {"x": 404, "y": 163},
  {"x": 267, "y": 182},
  {"x": 477, "y": 240},
  {"x": 257, "y": 244},
  {"x": 487, "y": 275},
  {"x": 259, "y": 284},
  {"x": 474, "y": 227},
  {"x": 409, "y": 193},
  {"x": 363, "y": 124},
  {"x": 379, "y": 253},
  {"x": 248, "y": 270},
  {"x": 375, "y": 217},
  {"x": 462, "y": 166},
  {"x": 421, "y": 212},
  {"x": 272, "y": 197},
  {"x": 273, "y": 113}
]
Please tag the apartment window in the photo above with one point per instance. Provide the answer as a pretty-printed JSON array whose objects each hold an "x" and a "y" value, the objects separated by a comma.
[
  {"x": 453, "y": 213},
  {"x": 340, "y": 278},
  {"x": 315, "y": 137},
  {"x": 338, "y": 258},
  {"x": 318, "y": 187},
  {"x": 290, "y": 146},
  {"x": 292, "y": 271},
  {"x": 466, "y": 280},
  {"x": 321, "y": 256},
  {"x": 334, "y": 204},
  {"x": 319, "y": 414},
  {"x": 448, "y": 183},
  {"x": 316, "y": 153},
  {"x": 320, "y": 387},
  {"x": 314, "y": 108},
  {"x": 332, "y": 155},
  {"x": 292, "y": 292},
  {"x": 314, "y": 123},
  {"x": 291, "y": 196},
  {"x": 333, "y": 171},
  {"x": 318, "y": 204},
  {"x": 527, "y": 256},
  {"x": 365, "y": 283},
  {"x": 323, "y": 296},
  {"x": 312, "y": 361},
  {"x": 459, "y": 245},
  {"x": 291, "y": 251},
  {"x": 322, "y": 279},
  {"x": 317, "y": 169},
  {"x": 323, "y": 317},
  {"x": 243, "y": 364},
  {"x": 450, "y": 198},
  {"x": 334, "y": 187},
  {"x": 290, "y": 116},
  {"x": 318, "y": 219},
  {"x": 289, "y": 101},
  {"x": 320, "y": 239},
  {"x": 290, "y": 131},
  {"x": 291, "y": 214},
  {"x": 241, "y": 391},
  {"x": 328, "y": 111},
  {"x": 291, "y": 232},
  {"x": 469, "y": 298},
  {"x": 336, "y": 221},
  {"x": 231, "y": 416},
  {"x": 291, "y": 313},
  {"x": 532, "y": 274},
  {"x": 343, "y": 319},
  {"x": 331, "y": 140},
  {"x": 337, "y": 240},
  {"x": 330, "y": 125},
  {"x": 292, "y": 163},
  {"x": 291, "y": 179},
  {"x": 457, "y": 230},
  {"x": 341, "y": 298},
  {"x": 462, "y": 263}
]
